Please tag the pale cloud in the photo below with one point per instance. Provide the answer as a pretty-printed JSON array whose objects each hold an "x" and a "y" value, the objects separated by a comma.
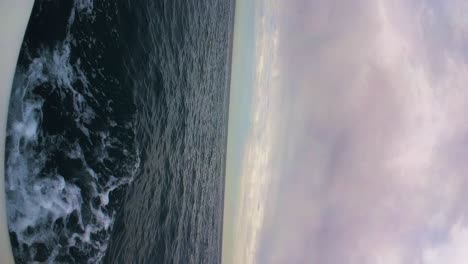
[
  {"x": 452, "y": 251},
  {"x": 359, "y": 148},
  {"x": 258, "y": 166}
]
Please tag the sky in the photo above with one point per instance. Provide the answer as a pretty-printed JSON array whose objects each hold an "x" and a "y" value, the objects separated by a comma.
[
  {"x": 351, "y": 142},
  {"x": 242, "y": 77}
]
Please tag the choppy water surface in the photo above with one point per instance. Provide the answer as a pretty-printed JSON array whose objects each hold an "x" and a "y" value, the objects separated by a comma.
[{"x": 117, "y": 132}]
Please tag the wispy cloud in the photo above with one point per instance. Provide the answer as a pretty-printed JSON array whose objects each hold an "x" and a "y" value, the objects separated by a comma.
[
  {"x": 258, "y": 164},
  {"x": 359, "y": 149}
]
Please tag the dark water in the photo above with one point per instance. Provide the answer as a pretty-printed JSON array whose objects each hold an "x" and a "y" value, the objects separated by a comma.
[{"x": 117, "y": 132}]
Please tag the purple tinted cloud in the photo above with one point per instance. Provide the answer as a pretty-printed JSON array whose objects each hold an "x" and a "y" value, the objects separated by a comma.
[{"x": 372, "y": 131}]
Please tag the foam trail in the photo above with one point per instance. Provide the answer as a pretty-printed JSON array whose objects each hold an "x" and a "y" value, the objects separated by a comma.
[{"x": 55, "y": 214}]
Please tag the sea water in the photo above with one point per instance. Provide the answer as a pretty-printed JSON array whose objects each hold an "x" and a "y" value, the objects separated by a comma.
[{"x": 117, "y": 132}]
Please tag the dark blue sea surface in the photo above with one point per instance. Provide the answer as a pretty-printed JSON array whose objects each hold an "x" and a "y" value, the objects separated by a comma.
[{"x": 117, "y": 132}]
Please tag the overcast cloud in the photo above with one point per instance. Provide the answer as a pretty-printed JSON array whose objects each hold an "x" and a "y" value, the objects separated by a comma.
[{"x": 358, "y": 150}]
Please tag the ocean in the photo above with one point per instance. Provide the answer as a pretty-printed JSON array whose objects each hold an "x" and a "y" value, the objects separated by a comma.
[{"x": 117, "y": 127}]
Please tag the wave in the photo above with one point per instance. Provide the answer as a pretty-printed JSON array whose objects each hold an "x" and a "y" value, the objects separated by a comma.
[{"x": 64, "y": 159}]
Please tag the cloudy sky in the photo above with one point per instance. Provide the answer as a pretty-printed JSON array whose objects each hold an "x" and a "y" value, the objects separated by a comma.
[{"x": 348, "y": 141}]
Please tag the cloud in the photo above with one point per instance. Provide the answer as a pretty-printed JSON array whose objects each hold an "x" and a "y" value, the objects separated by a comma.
[
  {"x": 369, "y": 150},
  {"x": 258, "y": 157},
  {"x": 452, "y": 251}
]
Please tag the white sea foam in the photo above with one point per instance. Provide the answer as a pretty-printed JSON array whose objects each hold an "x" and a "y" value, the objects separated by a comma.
[{"x": 39, "y": 199}]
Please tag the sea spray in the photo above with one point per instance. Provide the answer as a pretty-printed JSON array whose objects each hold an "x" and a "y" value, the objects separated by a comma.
[{"x": 65, "y": 154}]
